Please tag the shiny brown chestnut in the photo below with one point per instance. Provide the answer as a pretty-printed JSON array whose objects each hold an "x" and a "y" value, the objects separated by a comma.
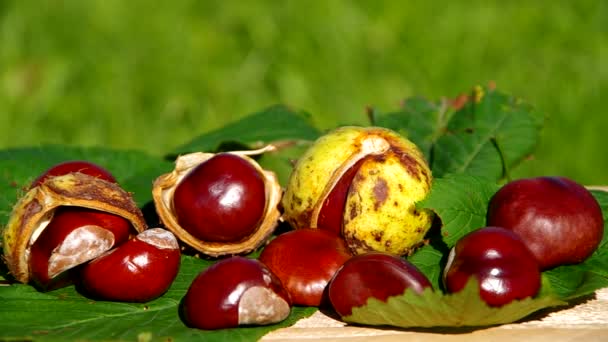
[
  {"x": 305, "y": 260},
  {"x": 559, "y": 220},
  {"x": 505, "y": 268},
  {"x": 70, "y": 166},
  {"x": 221, "y": 199},
  {"x": 74, "y": 236},
  {"x": 235, "y": 291},
  {"x": 139, "y": 270},
  {"x": 373, "y": 275}
]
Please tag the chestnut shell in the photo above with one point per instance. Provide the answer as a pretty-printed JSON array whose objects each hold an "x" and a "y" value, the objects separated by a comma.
[{"x": 376, "y": 211}]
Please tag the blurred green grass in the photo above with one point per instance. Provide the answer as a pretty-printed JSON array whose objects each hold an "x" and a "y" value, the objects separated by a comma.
[{"x": 150, "y": 76}]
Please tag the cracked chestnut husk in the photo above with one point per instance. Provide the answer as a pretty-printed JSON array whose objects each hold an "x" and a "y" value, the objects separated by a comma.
[
  {"x": 362, "y": 183},
  {"x": 35, "y": 210},
  {"x": 219, "y": 204}
]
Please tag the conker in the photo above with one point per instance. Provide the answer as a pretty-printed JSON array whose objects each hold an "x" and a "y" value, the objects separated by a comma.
[
  {"x": 504, "y": 267},
  {"x": 559, "y": 220},
  {"x": 219, "y": 204},
  {"x": 70, "y": 166},
  {"x": 139, "y": 270},
  {"x": 305, "y": 260},
  {"x": 235, "y": 291},
  {"x": 222, "y": 199},
  {"x": 373, "y": 275},
  {"x": 362, "y": 183},
  {"x": 74, "y": 236}
]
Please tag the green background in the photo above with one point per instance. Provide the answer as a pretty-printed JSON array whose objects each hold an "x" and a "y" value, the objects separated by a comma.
[{"x": 151, "y": 75}]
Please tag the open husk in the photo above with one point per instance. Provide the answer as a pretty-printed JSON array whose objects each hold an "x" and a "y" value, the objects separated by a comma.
[
  {"x": 390, "y": 177},
  {"x": 164, "y": 188},
  {"x": 34, "y": 210}
]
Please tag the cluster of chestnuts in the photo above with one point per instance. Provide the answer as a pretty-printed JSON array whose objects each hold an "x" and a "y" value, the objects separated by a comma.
[
  {"x": 354, "y": 220},
  {"x": 75, "y": 224}
]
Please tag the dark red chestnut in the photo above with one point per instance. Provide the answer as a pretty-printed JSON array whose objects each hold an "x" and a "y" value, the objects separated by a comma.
[
  {"x": 139, "y": 270},
  {"x": 305, "y": 260},
  {"x": 235, "y": 291},
  {"x": 222, "y": 199},
  {"x": 505, "y": 268},
  {"x": 558, "y": 219},
  {"x": 331, "y": 213},
  {"x": 74, "y": 236},
  {"x": 373, "y": 275},
  {"x": 81, "y": 166}
]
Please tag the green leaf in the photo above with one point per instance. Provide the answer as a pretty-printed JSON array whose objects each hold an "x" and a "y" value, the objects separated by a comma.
[
  {"x": 430, "y": 260},
  {"x": 435, "y": 309},
  {"x": 420, "y": 120},
  {"x": 64, "y": 314},
  {"x": 275, "y": 124},
  {"x": 487, "y": 137},
  {"x": 460, "y": 201},
  {"x": 602, "y": 199}
]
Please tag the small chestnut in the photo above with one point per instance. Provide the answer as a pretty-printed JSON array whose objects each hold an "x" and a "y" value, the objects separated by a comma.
[
  {"x": 504, "y": 267},
  {"x": 235, "y": 291},
  {"x": 81, "y": 166},
  {"x": 139, "y": 270},
  {"x": 373, "y": 275},
  {"x": 74, "y": 236},
  {"x": 305, "y": 260},
  {"x": 558, "y": 219},
  {"x": 222, "y": 199}
]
